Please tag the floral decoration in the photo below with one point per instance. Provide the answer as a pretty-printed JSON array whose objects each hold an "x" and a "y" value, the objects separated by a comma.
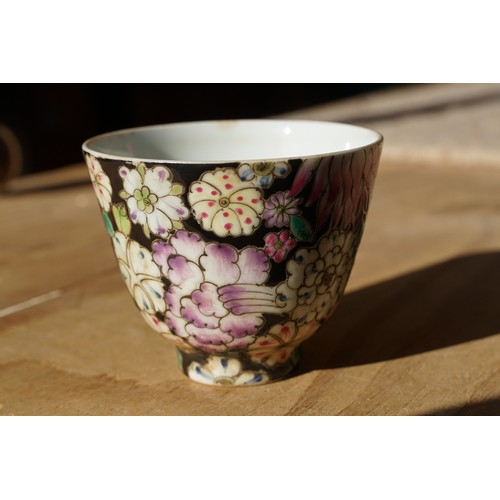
[
  {"x": 316, "y": 278},
  {"x": 107, "y": 223},
  {"x": 160, "y": 327},
  {"x": 262, "y": 173},
  {"x": 277, "y": 245},
  {"x": 217, "y": 294},
  {"x": 121, "y": 219},
  {"x": 341, "y": 186},
  {"x": 236, "y": 312},
  {"x": 276, "y": 346},
  {"x": 100, "y": 182},
  {"x": 153, "y": 199},
  {"x": 224, "y": 204},
  {"x": 224, "y": 371},
  {"x": 142, "y": 276},
  {"x": 278, "y": 209}
]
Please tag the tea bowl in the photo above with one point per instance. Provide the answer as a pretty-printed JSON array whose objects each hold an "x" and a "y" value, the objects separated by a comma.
[{"x": 235, "y": 238}]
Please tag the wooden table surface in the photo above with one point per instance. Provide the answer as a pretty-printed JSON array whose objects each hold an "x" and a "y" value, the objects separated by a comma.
[{"x": 416, "y": 333}]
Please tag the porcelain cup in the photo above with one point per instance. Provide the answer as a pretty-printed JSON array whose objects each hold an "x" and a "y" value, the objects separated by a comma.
[{"x": 236, "y": 238}]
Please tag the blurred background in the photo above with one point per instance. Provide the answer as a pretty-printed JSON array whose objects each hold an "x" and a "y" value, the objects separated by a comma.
[{"x": 43, "y": 126}]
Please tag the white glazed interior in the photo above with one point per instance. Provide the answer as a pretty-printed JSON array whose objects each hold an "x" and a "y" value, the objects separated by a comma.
[{"x": 231, "y": 140}]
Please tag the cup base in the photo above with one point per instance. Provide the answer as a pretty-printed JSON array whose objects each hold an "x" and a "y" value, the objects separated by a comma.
[{"x": 237, "y": 369}]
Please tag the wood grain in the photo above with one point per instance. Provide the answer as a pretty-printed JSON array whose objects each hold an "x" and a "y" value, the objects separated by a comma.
[{"x": 416, "y": 333}]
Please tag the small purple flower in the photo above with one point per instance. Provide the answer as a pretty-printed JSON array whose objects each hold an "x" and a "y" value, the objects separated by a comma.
[{"x": 278, "y": 209}]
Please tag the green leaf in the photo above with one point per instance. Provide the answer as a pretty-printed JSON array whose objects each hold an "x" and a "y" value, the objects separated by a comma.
[
  {"x": 122, "y": 221},
  {"x": 123, "y": 194},
  {"x": 176, "y": 190},
  {"x": 146, "y": 230},
  {"x": 141, "y": 168},
  {"x": 107, "y": 223},
  {"x": 300, "y": 228}
]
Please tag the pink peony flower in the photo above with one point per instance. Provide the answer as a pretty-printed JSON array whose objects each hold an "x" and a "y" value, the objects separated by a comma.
[
  {"x": 203, "y": 307},
  {"x": 341, "y": 186}
]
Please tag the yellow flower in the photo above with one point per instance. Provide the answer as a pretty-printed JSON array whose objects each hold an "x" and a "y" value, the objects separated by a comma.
[{"x": 224, "y": 204}]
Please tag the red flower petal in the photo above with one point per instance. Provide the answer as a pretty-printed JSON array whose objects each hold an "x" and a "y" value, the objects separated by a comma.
[
  {"x": 284, "y": 235},
  {"x": 303, "y": 175},
  {"x": 271, "y": 238},
  {"x": 320, "y": 181},
  {"x": 324, "y": 210},
  {"x": 279, "y": 255}
]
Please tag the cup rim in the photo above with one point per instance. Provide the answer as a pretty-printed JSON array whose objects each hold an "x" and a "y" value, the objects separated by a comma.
[{"x": 87, "y": 144}]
